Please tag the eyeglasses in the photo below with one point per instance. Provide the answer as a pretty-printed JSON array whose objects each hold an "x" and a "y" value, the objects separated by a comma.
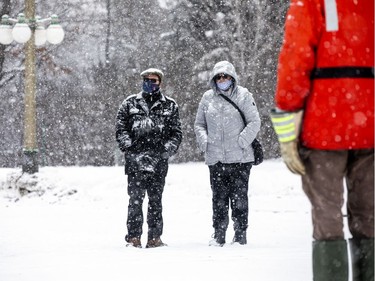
[
  {"x": 152, "y": 80},
  {"x": 222, "y": 75}
]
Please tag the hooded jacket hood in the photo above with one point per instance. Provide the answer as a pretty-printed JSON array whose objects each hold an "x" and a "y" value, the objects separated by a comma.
[
  {"x": 223, "y": 67},
  {"x": 216, "y": 118}
]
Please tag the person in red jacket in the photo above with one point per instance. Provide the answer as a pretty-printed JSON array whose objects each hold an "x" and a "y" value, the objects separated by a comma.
[{"x": 326, "y": 78}]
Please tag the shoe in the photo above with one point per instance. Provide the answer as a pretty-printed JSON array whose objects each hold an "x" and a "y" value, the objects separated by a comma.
[
  {"x": 240, "y": 238},
  {"x": 214, "y": 242},
  {"x": 133, "y": 242},
  {"x": 218, "y": 239},
  {"x": 155, "y": 242}
]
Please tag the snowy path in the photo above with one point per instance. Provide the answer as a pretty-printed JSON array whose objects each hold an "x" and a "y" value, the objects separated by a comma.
[{"x": 80, "y": 237}]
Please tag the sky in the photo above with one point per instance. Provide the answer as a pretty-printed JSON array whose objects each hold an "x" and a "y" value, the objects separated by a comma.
[{"x": 72, "y": 227}]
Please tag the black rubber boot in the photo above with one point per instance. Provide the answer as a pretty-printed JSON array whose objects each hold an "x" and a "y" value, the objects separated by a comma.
[
  {"x": 362, "y": 254},
  {"x": 330, "y": 260}
]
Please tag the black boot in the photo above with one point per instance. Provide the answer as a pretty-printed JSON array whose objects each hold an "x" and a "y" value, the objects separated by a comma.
[
  {"x": 240, "y": 237},
  {"x": 362, "y": 254},
  {"x": 219, "y": 238},
  {"x": 330, "y": 260}
]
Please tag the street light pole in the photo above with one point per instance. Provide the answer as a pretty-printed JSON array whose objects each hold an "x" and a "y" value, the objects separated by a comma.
[
  {"x": 30, "y": 149},
  {"x": 29, "y": 30}
]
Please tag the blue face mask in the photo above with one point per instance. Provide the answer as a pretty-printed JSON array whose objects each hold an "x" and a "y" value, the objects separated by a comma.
[
  {"x": 150, "y": 87},
  {"x": 224, "y": 85}
]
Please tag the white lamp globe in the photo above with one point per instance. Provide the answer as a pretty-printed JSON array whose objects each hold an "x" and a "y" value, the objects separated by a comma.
[
  {"x": 6, "y": 34},
  {"x": 5, "y": 31},
  {"x": 55, "y": 33},
  {"x": 21, "y": 31},
  {"x": 40, "y": 35}
]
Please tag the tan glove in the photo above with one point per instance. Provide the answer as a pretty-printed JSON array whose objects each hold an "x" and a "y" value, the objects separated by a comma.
[
  {"x": 287, "y": 126},
  {"x": 290, "y": 155}
]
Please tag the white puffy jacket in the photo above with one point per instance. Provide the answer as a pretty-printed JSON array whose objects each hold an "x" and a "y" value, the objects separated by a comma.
[{"x": 218, "y": 125}]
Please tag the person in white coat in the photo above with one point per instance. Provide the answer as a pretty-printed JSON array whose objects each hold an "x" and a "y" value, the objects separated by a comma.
[{"x": 226, "y": 141}]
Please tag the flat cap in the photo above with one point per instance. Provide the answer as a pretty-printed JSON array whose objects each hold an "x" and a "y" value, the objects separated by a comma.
[{"x": 155, "y": 71}]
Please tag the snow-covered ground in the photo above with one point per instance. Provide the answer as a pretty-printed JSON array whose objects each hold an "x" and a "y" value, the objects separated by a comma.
[{"x": 75, "y": 230}]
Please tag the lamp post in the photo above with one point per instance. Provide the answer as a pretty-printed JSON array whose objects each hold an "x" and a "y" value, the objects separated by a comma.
[{"x": 30, "y": 30}]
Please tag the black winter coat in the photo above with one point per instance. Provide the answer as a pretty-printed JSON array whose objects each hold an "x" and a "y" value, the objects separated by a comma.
[{"x": 148, "y": 137}]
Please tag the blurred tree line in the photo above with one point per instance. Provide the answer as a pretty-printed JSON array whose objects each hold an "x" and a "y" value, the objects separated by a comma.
[{"x": 82, "y": 81}]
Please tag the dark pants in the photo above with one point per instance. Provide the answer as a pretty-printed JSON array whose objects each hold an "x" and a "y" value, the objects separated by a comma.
[
  {"x": 138, "y": 184},
  {"x": 229, "y": 184},
  {"x": 324, "y": 186}
]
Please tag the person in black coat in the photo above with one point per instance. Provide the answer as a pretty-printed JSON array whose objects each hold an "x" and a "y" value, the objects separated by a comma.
[{"x": 148, "y": 131}]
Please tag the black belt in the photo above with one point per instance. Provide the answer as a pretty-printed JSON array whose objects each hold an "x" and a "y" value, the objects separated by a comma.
[{"x": 343, "y": 72}]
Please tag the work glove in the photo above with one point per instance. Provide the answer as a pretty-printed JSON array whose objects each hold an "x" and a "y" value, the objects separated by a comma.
[{"x": 286, "y": 125}]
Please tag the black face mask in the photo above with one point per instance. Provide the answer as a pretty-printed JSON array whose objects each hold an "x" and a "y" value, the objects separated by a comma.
[{"x": 150, "y": 87}]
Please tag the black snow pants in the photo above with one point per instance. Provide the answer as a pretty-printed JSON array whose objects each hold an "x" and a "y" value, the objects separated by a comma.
[
  {"x": 138, "y": 184},
  {"x": 229, "y": 184}
]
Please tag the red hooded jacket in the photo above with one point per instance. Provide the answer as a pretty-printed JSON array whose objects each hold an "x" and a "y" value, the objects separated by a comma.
[{"x": 326, "y": 68}]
